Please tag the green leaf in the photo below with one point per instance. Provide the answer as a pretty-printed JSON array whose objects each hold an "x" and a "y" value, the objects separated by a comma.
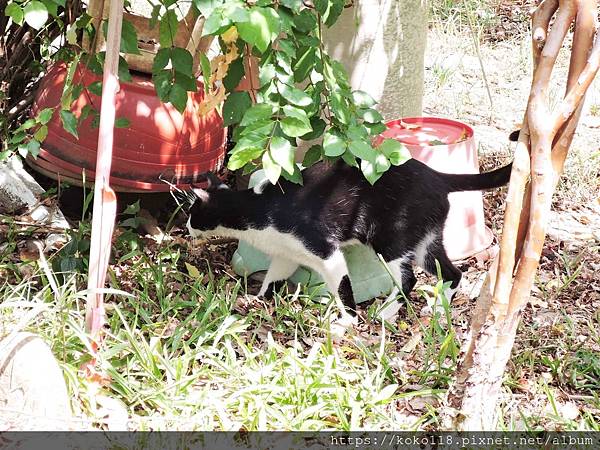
[
  {"x": 178, "y": 97},
  {"x": 339, "y": 108},
  {"x": 272, "y": 169},
  {"x": 186, "y": 82},
  {"x": 372, "y": 116},
  {"x": 305, "y": 21},
  {"x": 206, "y": 72},
  {"x": 375, "y": 128},
  {"x": 294, "y": 127},
  {"x": 258, "y": 130},
  {"x": 294, "y": 5},
  {"x": 335, "y": 10},
  {"x": 216, "y": 23},
  {"x": 236, "y": 13},
  {"x": 283, "y": 153},
  {"x": 234, "y": 74},
  {"x": 86, "y": 111},
  {"x": 235, "y": 107},
  {"x": 300, "y": 114},
  {"x": 33, "y": 148},
  {"x": 162, "y": 58},
  {"x": 257, "y": 113},
  {"x": 206, "y": 7},
  {"x": 29, "y": 123},
  {"x": 362, "y": 99},
  {"x": 122, "y": 122},
  {"x": 294, "y": 177},
  {"x": 368, "y": 170},
  {"x": 322, "y": 6},
  {"x": 333, "y": 144},
  {"x": 193, "y": 272},
  {"x": 45, "y": 115},
  {"x": 182, "y": 60},
  {"x": 15, "y": 12},
  {"x": 69, "y": 122},
  {"x": 358, "y": 133},
  {"x": 318, "y": 125},
  {"x": 287, "y": 47},
  {"x": 294, "y": 95},
  {"x": 154, "y": 16},
  {"x": 162, "y": 83},
  {"x": 132, "y": 209},
  {"x": 17, "y": 137},
  {"x": 167, "y": 29},
  {"x": 95, "y": 88},
  {"x": 362, "y": 150},
  {"x": 396, "y": 151},
  {"x": 381, "y": 163},
  {"x": 41, "y": 133},
  {"x": 241, "y": 157},
  {"x": 123, "y": 73},
  {"x": 266, "y": 74},
  {"x": 261, "y": 28},
  {"x": 312, "y": 155},
  {"x": 36, "y": 14},
  {"x": 350, "y": 159},
  {"x": 129, "y": 39},
  {"x": 304, "y": 64}
]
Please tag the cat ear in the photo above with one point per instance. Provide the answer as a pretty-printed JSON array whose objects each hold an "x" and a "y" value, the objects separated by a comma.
[
  {"x": 214, "y": 182},
  {"x": 202, "y": 195}
]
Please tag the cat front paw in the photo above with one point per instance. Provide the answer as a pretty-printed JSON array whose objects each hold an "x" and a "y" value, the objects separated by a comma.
[{"x": 341, "y": 325}]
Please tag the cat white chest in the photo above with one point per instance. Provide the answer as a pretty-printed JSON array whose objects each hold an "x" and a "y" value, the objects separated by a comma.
[{"x": 272, "y": 242}]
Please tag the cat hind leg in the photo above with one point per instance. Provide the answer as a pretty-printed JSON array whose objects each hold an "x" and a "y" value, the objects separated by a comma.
[
  {"x": 402, "y": 272},
  {"x": 449, "y": 272}
]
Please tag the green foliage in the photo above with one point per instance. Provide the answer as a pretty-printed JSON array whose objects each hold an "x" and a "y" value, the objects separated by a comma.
[{"x": 302, "y": 92}]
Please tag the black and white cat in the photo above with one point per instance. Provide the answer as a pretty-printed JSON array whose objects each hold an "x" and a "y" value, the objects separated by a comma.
[{"x": 401, "y": 217}]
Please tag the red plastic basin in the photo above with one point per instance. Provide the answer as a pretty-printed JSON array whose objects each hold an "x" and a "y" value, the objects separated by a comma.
[{"x": 160, "y": 141}]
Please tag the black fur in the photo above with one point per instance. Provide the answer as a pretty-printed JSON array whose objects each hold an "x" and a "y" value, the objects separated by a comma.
[{"x": 347, "y": 296}]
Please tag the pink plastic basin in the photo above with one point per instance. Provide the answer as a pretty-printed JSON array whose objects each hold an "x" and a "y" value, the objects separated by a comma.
[{"x": 449, "y": 146}]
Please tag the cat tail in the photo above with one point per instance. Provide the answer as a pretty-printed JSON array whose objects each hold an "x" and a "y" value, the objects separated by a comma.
[{"x": 479, "y": 181}]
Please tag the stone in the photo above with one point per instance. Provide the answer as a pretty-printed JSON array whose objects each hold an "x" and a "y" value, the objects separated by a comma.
[{"x": 33, "y": 393}]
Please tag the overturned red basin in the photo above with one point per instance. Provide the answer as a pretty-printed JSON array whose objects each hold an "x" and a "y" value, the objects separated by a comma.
[{"x": 159, "y": 143}]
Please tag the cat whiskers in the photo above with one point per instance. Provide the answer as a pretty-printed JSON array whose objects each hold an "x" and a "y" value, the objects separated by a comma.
[{"x": 184, "y": 199}]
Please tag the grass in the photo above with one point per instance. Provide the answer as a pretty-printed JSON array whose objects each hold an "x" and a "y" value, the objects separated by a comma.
[
  {"x": 185, "y": 349},
  {"x": 456, "y": 16}
]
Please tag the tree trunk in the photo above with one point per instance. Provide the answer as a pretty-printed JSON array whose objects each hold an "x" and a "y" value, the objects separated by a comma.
[
  {"x": 382, "y": 45},
  {"x": 543, "y": 146}
]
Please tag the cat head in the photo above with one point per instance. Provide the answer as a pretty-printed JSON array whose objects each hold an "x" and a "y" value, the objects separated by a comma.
[{"x": 207, "y": 209}]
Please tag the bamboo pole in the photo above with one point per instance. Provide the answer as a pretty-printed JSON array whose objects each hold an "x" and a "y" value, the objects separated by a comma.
[{"x": 105, "y": 201}]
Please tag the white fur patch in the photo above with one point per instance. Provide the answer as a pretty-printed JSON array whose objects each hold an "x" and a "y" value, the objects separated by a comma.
[{"x": 421, "y": 248}]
